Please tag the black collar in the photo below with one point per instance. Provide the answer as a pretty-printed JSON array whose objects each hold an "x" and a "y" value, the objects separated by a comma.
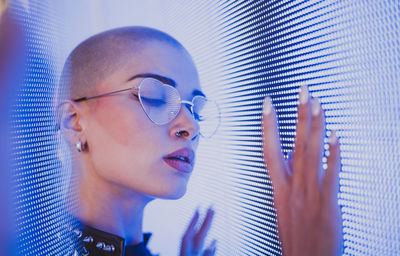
[{"x": 100, "y": 243}]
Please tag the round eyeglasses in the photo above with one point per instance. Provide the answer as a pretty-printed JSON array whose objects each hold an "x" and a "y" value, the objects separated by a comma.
[{"x": 162, "y": 103}]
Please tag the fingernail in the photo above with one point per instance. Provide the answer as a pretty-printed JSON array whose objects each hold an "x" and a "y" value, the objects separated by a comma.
[
  {"x": 267, "y": 106},
  {"x": 304, "y": 94},
  {"x": 316, "y": 106},
  {"x": 333, "y": 139},
  {"x": 211, "y": 211}
]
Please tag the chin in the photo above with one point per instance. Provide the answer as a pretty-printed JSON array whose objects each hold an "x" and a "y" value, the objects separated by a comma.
[
  {"x": 176, "y": 195},
  {"x": 172, "y": 192}
]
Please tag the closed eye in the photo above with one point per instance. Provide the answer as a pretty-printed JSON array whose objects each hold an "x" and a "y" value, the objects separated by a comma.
[{"x": 154, "y": 102}]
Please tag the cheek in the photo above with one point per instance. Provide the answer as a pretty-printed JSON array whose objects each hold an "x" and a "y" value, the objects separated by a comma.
[
  {"x": 122, "y": 138},
  {"x": 124, "y": 123},
  {"x": 126, "y": 148}
]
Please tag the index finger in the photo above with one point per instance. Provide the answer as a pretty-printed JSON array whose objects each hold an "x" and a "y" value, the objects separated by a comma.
[
  {"x": 201, "y": 234},
  {"x": 191, "y": 228},
  {"x": 272, "y": 152}
]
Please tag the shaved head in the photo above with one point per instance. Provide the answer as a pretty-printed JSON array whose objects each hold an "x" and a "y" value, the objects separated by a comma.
[
  {"x": 100, "y": 55},
  {"x": 119, "y": 149}
]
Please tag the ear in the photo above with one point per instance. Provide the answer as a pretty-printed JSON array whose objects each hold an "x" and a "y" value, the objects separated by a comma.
[{"x": 70, "y": 119}]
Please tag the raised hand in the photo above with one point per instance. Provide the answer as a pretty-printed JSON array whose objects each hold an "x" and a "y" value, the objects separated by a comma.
[
  {"x": 305, "y": 195},
  {"x": 193, "y": 239}
]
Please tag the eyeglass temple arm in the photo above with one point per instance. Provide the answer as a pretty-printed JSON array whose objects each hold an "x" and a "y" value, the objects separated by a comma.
[{"x": 101, "y": 95}]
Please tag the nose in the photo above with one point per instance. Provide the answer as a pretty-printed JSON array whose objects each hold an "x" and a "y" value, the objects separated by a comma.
[{"x": 184, "y": 125}]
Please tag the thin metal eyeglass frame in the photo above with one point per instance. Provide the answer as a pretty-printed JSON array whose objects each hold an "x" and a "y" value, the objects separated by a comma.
[{"x": 190, "y": 103}]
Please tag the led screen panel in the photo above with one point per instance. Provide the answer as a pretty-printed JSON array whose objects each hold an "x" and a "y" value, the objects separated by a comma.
[{"x": 346, "y": 51}]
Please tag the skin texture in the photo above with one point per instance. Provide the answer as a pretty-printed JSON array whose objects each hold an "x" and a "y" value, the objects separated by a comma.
[
  {"x": 121, "y": 166},
  {"x": 309, "y": 220},
  {"x": 135, "y": 145}
]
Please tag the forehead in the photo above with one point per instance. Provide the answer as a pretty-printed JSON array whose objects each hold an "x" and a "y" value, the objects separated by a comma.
[{"x": 171, "y": 63}]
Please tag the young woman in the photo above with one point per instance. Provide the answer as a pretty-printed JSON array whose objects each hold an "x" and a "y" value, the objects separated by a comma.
[{"x": 130, "y": 105}]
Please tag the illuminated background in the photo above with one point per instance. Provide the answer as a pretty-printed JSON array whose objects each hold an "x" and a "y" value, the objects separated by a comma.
[{"x": 348, "y": 52}]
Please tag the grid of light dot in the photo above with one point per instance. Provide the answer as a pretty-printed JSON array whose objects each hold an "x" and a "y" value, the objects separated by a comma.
[
  {"x": 348, "y": 53},
  {"x": 37, "y": 171}
]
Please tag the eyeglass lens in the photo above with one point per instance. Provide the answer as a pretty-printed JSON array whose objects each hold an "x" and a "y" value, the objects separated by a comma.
[{"x": 162, "y": 102}]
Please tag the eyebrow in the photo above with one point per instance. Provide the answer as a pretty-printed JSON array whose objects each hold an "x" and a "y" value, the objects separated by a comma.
[{"x": 165, "y": 80}]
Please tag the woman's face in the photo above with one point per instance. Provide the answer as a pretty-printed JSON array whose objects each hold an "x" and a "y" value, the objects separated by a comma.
[{"x": 125, "y": 147}]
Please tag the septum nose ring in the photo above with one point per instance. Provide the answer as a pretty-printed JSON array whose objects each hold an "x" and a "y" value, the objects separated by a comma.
[{"x": 181, "y": 133}]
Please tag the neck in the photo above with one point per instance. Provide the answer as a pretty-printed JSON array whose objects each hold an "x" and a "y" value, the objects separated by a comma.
[{"x": 108, "y": 207}]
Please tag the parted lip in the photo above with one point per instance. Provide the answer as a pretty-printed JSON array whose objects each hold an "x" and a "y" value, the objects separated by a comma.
[{"x": 184, "y": 154}]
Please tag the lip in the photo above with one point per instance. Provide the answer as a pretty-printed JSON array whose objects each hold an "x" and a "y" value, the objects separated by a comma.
[{"x": 180, "y": 165}]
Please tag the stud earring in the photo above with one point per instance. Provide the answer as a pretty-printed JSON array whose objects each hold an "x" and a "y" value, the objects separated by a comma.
[{"x": 79, "y": 146}]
